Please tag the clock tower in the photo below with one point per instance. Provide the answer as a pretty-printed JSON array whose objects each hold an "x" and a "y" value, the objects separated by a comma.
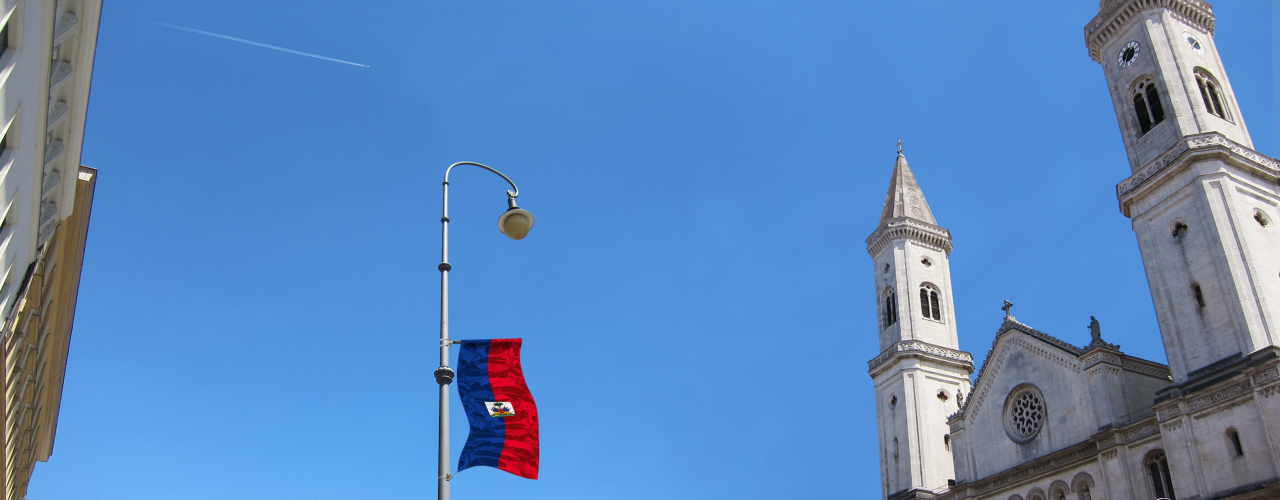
[{"x": 1203, "y": 202}]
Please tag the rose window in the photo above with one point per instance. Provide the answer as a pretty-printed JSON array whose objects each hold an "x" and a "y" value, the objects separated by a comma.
[{"x": 1024, "y": 414}]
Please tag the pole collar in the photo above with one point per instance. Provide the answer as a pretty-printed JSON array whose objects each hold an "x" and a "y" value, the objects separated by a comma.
[
  {"x": 444, "y": 266},
  {"x": 444, "y": 375}
]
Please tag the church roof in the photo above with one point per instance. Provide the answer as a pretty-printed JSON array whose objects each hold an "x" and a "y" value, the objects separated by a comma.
[{"x": 905, "y": 199}]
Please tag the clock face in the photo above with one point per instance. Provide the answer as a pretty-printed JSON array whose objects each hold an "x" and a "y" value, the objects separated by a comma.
[
  {"x": 1193, "y": 42},
  {"x": 1128, "y": 54}
]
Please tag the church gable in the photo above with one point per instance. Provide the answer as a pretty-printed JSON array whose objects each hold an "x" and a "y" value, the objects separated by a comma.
[{"x": 1031, "y": 399}]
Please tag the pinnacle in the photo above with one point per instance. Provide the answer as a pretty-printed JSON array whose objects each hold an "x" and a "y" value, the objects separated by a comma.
[{"x": 905, "y": 199}]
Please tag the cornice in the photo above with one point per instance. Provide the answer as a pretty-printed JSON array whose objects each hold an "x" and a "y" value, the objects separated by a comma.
[
  {"x": 911, "y": 229},
  {"x": 1106, "y": 25},
  {"x": 916, "y": 347},
  {"x": 1211, "y": 143},
  {"x": 1029, "y": 472}
]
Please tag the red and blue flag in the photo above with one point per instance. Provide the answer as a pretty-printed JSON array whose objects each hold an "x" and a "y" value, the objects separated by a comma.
[{"x": 504, "y": 419}]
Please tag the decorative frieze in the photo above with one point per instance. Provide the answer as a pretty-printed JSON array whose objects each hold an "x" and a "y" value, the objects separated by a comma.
[
  {"x": 1219, "y": 395},
  {"x": 1147, "y": 429},
  {"x": 1189, "y": 143},
  {"x": 1172, "y": 426},
  {"x": 1168, "y": 413},
  {"x": 1046, "y": 465},
  {"x": 1146, "y": 368},
  {"x": 1106, "y": 25},
  {"x": 1267, "y": 375},
  {"x": 918, "y": 346},
  {"x": 1269, "y": 391}
]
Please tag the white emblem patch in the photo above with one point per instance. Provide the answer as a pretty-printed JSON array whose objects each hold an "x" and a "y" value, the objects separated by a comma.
[{"x": 500, "y": 409}]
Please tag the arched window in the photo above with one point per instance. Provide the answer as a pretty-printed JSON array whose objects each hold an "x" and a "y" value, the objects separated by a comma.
[
  {"x": 1081, "y": 485},
  {"x": 930, "y": 302},
  {"x": 1233, "y": 443},
  {"x": 890, "y": 307},
  {"x": 1146, "y": 105},
  {"x": 946, "y": 441},
  {"x": 1195, "y": 290},
  {"x": 1158, "y": 470},
  {"x": 1211, "y": 93}
]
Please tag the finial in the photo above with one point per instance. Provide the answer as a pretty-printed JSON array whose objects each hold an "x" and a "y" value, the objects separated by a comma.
[
  {"x": 1007, "y": 306},
  {"x": 899, "y": 146}
]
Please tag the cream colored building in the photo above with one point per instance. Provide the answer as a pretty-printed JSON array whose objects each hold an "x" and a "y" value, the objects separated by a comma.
[
  {"x": 1049, "y": 420},
  {"x": 46, "y": 196}
]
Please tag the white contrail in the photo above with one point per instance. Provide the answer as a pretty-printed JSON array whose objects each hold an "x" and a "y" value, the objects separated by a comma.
[{"x": 250, "y": 42}]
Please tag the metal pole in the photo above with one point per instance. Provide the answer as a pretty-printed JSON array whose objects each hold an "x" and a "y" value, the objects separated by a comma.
[{"x": 444, "y": 374}]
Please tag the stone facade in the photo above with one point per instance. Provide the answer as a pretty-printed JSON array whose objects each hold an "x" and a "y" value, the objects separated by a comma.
[{"x": 1047, "y": 420}]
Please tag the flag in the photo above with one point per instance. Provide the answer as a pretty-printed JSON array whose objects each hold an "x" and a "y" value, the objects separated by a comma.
[{"x": 504, "y": 419}]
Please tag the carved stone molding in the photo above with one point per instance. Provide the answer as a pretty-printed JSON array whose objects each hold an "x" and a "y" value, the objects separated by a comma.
[
  {"x": 61, "y": 70},
  {"x": 57, "y": 112},
  {"x": 1266, "y": 375},
  {"x": 1269, "y": 391},
  {"x": 1108, "y": 24},
  {"x": 907, "y": 346},
  {"x": 52, "y": 151},
  {"x": 51, "y": 182},
  {"x": 1146, "y": 368},
  {"x": 1109, "y": 454},
  {"x": 64, "y": 26},
  {"x": 1187, "y": 145},
  {"x": 1168, "y": 413},
  {"x": 904, "y": 228},
  {"x": 1219, "y": 395},
  {"x": 1030, "y": 470},
  {"x": 1141, "y": 432},
  {"x": 1172, "y": 426}
]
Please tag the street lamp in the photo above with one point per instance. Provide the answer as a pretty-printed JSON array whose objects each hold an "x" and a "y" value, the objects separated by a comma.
[{"x": 515, "y": 223}]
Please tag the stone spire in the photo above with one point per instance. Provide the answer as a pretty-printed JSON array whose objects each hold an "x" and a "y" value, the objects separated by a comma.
[{"x": 905, "y": 199}]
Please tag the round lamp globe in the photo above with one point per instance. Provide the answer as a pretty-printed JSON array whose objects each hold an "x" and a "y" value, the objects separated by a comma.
[{"x": 515, "y": 223}]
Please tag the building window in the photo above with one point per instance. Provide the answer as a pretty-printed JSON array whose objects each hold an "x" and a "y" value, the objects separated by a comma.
[
  {"x": 930, "y": 302},
  {"x": 1158, "y": 468},
  {"x": 1024, "y": 413},
  {"x": 946, "y": 441},
  {"x": 1179, "y": 229},
  {"x": 1195, "y": 290},
  {"x": 890, "y": 307},
  {"x": 1211, "y": 93},
  {"x": 1233, "y": 443},
  {"x": 1146, "y": 105},
  {"x": 1084, "y": 493},
  {"x": 1262, "y": 218},
  {"x": 4, "y": 39}
]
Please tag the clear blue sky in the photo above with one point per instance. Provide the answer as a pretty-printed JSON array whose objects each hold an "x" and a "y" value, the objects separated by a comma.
[{"x": 259, "y": 304}]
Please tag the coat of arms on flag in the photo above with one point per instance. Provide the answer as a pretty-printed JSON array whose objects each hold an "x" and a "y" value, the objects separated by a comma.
[{"x": 500, "y": 409}]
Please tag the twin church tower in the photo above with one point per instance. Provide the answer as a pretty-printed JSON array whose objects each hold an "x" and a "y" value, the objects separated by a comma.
[{"x": 1048, "y": 420}]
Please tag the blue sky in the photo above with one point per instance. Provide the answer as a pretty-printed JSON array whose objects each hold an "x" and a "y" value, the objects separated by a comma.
[{"x": 259, "y": 299}]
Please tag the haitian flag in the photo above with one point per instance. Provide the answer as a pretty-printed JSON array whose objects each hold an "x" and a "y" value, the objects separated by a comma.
[{"x": 504, "y": 419}]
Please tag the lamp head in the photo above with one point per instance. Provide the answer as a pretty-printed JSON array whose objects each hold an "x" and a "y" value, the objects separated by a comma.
[{"x": 515, "y": 222}]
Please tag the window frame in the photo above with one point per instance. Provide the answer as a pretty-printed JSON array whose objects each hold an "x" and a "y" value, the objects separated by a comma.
[
  {"x": 1145, "y": 98},
  {"x": 1211, "y": 95}
]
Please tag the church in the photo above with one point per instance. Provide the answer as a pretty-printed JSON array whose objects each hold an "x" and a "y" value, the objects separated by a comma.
[{"x": 1048, "y": 420}]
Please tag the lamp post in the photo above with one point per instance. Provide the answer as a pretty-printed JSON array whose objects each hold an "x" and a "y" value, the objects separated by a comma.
[{"x": 515, "y": 223}]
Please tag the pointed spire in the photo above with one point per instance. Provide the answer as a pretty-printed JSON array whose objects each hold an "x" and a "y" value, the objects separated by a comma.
[{"x": 905, "y": 199}]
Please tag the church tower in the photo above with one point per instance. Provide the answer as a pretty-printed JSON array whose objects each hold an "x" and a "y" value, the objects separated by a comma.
[
  {"x": 920, "y": 375},
  {"x": 1203, "y": 202}
]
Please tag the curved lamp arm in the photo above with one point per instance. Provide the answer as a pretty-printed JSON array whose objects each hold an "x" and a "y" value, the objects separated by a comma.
[{"x": 510, "y": 193}]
